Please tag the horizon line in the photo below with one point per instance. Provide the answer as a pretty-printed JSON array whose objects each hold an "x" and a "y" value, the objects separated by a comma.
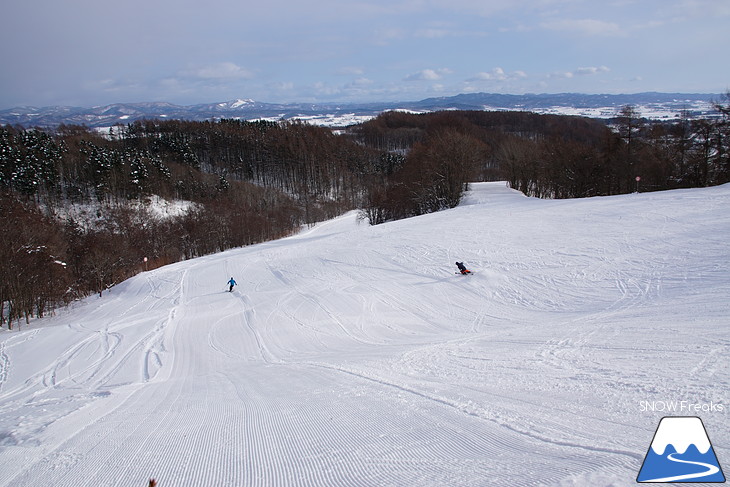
[{"x": 363, "y": 102}]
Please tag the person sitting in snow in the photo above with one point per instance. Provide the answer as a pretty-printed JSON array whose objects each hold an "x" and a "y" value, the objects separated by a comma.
[
  {"x": 462, "y": 268},
  {"x": 231, "y": 283}
]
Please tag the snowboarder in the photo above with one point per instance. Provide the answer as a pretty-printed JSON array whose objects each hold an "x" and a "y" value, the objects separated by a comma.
[
  {"x": 231, "y": 283},
  {"x": 462, "y": 268}
]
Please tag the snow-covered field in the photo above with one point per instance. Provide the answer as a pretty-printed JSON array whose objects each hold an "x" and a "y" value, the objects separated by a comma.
[{"x": 354, "y": 355}]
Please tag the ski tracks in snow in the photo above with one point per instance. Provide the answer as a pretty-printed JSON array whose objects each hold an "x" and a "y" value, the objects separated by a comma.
[{"x": 356, "y": 357}]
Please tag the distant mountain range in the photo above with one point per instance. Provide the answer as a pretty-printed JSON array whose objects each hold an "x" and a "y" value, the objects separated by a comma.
[{"x": 650, "y": 105}]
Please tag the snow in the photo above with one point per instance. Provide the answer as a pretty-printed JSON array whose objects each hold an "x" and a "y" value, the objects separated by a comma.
[
  {"x": 238, "y": 103},
  {"x": 354, "y": 355},
  {"x": 332, "y": 120},
  {"x": 163, "y": 209},
  {"x": 651, "y": 111},
  {"x": 91, "y": 214}
]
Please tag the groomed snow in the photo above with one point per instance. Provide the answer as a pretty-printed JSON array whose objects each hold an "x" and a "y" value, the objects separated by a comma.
[{"x": 354, "y": 355}]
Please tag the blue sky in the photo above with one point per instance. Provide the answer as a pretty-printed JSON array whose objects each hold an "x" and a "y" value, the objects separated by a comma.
[{"x": 87, "y": 52}]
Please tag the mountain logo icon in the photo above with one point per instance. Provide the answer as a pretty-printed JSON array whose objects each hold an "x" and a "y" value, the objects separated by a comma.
[{"x": 681, "y": 452}]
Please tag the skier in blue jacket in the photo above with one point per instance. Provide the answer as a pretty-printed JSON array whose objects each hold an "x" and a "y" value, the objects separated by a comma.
[{"x": 231, "y": 283}]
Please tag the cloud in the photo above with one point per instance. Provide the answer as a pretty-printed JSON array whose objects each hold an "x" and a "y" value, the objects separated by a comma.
[
  {"x": 561, "y": 75},
  {"x": 361, "y": 82},
  {"x": 498, "y": 74},
  {"x": 212, "y": 80},
  {"x": 591, "y": 70},
  {"x": 585, "y": 71},
  {"x": 587, "y": 27},
  {"x": 482, "y": 8},
  {"x": 428, "y": 75},
  {"x": 702, "y": 8},
  {"x": 284, "y": 86},
  {"x": 433, "y": 33},
  {"x": 385, "y": 35},
  {"x": 225, "y": 70},
  {"x": 351, "y": 71},
  {"x": 121, "y": 87}
]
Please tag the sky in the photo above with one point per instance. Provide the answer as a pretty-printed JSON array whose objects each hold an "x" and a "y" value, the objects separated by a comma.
[{"x": 91, "y": 52}]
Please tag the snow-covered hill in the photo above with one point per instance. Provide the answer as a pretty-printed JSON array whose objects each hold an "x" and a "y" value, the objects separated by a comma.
[
  {"x": 354, "y": 355},
  {"x": 658, "y": 106}
]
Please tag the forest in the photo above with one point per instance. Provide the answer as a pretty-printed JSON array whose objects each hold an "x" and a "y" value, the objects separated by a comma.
[{"x": 78, "y": 211}]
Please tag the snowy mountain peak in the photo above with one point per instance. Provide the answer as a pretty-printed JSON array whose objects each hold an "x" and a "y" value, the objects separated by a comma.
[
  {"x": 238, "y": 103},
  {"x": 659, "y": 106},
  {"x": 681, "y": 432}
]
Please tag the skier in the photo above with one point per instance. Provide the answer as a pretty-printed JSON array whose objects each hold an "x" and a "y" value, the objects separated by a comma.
[
  {"x": 463, "y": 268},
  {"x": 231, "y": 283}
]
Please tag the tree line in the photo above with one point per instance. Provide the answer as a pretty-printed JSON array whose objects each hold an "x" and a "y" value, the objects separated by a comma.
[
  {"x": 546, "y": 156},
  {"x": 248, "y": 182},
  {"x": 244, "y": 182}
]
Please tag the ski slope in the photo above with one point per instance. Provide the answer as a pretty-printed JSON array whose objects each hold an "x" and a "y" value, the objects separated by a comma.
[{"x": 352, "y": 355}]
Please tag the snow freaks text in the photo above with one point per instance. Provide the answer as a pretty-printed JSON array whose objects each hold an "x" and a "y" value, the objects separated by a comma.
[{"x": 681, "y": 407}]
